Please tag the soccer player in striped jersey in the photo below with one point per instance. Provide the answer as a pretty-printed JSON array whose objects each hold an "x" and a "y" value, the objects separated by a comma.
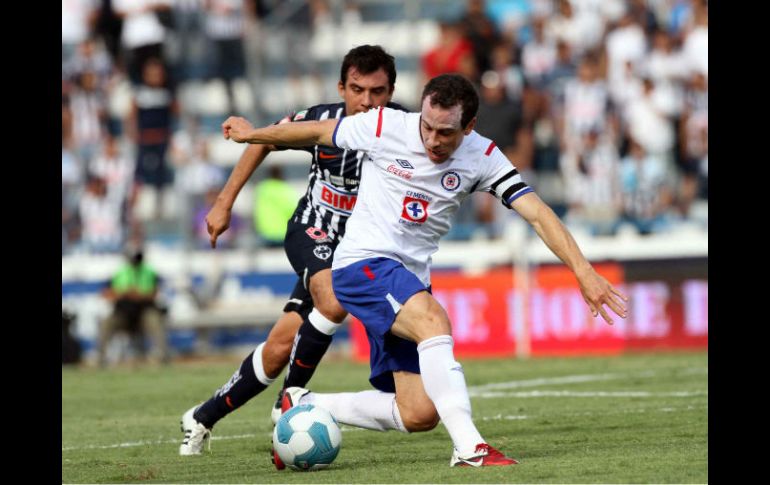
[
  {"x": 312, "y": 314},
  {"x": 418, "y": 168}
]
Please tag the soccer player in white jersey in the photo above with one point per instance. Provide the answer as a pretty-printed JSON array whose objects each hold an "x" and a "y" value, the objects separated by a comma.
[{"x": 419, "y": 168}]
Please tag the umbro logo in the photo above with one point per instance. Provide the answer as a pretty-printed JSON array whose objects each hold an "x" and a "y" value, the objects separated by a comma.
[{"x": 404, "y": 163}]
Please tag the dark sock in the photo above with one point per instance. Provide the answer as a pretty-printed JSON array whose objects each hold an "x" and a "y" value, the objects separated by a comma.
[
  {"x": 310, "y": 345},
  {"x": 241, "y": 387}
]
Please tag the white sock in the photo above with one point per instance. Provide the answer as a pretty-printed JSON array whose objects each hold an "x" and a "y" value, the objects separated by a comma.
[
  {"x": 444, "y": 383},
  {"x": 373, "y": 410}
]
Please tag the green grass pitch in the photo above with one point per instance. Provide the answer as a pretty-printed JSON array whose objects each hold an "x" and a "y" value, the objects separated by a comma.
[{"x": 638, "y": 418}]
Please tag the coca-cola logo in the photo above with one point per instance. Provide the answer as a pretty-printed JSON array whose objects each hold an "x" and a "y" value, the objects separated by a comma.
[{"x": 405, "y": 174}]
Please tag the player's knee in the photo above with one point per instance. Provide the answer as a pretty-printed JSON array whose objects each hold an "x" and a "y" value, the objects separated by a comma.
[
  {"x": 416, "y": 420},
  {"x": 331, "y": 309},
  {"x": 432, "y": 324}
]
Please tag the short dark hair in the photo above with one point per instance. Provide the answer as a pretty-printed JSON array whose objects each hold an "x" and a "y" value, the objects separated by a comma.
[
  {"x": 368, "y": 59},
  {"x": 449, "y": 90}
]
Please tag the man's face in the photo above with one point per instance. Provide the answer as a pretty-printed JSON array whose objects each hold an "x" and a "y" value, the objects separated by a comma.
[
  {"x": 364, "y": 91},
  {"x": 441, "y": 130}
]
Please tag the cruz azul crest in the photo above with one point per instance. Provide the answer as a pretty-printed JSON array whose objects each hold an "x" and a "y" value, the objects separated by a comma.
[{"x": 450, "y": 181}]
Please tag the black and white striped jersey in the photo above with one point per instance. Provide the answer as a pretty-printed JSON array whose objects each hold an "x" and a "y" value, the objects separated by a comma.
[{"x": 333, "y": 178}]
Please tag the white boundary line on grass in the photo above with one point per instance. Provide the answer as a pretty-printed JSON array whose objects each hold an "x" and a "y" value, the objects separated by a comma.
[
  {"x": 574, "y": 379},
  {"x": 497, "y": 417},
  {"x": 558, "y": 393},
  {"x": 482, "y": 392}
]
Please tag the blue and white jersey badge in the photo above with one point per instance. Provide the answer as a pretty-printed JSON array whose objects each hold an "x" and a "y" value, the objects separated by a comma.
[{"x": 450, "y": 181}]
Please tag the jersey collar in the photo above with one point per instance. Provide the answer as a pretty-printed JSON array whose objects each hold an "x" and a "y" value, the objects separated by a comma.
[{"x": 413, "y": 138}]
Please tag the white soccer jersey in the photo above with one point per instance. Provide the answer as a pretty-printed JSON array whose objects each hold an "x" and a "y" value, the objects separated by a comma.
[{"x": 405, "y": 201}]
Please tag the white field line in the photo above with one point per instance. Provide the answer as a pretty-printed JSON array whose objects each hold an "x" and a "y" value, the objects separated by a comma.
[
  {"x": 345, "y": 428},
  {"x": 482, "y": 392},
  {"x": 574, "y": 379},
  {"x": 556, "y": 393},
  {"x": 131, "y": 444},
  {"x": 497, "y": 417}
]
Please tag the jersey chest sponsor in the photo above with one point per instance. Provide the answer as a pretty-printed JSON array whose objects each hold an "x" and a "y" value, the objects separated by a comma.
[
  {"x": 337, "y": 200},
  {"x": 415, "y": 208}
]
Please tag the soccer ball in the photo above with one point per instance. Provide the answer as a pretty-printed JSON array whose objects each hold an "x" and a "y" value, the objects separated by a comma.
[{"x": 307, "y": 438}]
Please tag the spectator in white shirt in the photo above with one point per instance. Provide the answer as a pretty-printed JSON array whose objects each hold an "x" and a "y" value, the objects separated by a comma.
[{"x": 590, "y": 180}]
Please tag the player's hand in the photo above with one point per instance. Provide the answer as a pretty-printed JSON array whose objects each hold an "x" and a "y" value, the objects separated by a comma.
[
  {"x": 236, "y": 128},
  {"x": 217, "y": 222},
  {"x": 597, "y": 292}
]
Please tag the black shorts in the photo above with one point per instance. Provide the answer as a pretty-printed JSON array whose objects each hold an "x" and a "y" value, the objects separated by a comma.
[{"x": 309, "y": 250}]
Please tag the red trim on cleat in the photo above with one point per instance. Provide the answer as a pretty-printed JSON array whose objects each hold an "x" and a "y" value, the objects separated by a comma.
[
  {"x": 487, "y": 456},
  {"x": 279, "y": 465},
  {"x": 494, "y": 457},
  {"x": 286, "y": 403}
]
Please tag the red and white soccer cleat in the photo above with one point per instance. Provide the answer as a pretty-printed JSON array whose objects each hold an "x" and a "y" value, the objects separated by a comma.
[
  {"x": 484, "y": 455},
  {"x": 279, "y": 465},
  {"x": 289, "y": 399}
]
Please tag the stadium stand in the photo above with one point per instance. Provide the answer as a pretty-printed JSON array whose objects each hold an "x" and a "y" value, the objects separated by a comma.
[{"x": 651, "y": 76}]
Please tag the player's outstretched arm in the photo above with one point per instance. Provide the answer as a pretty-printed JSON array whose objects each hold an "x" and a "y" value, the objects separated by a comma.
[
  {"x": 218, "y": 218},
  {"x": 288, "y": 134},
  {"x": 597, "y": 291}
]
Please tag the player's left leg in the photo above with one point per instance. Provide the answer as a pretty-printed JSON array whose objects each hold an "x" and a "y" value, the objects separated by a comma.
[
  {"x": 372, "y": 409},
  {"x": 315, "y": 334},
  {"x": 409, "y": 409},
  {"x": 251, "y": 377}
]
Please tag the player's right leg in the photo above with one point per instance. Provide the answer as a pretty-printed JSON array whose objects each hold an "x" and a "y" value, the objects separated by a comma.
[
  {"x": 310, "y": 251},
  {"x": 398, "y": 312},
  {"x": 257, "y": 371},
  {"x": 316, "y": 332},
  {"x": 423, "y": 320}
]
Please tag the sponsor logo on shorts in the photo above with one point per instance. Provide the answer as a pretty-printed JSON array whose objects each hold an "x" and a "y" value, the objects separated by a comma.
[
  {"x": 405, "y": 174},
  {"x": 315, "y": 233},
  {"x": 322, "y": 252},
  {"x": 450, "y": 181}
]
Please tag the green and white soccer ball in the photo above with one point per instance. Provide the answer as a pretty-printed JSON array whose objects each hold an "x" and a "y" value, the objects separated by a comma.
[{"x": 307, "y": 437}]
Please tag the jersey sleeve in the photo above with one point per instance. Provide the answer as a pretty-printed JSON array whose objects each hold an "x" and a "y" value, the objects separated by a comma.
[
  {"x": 304, "y": 115},
  {"x": 501, "y": 178},
  {"x": 359, "y": 132}
]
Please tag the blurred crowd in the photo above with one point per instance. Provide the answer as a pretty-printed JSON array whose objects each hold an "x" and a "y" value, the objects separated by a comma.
[{"x": 601, "y": 104}]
